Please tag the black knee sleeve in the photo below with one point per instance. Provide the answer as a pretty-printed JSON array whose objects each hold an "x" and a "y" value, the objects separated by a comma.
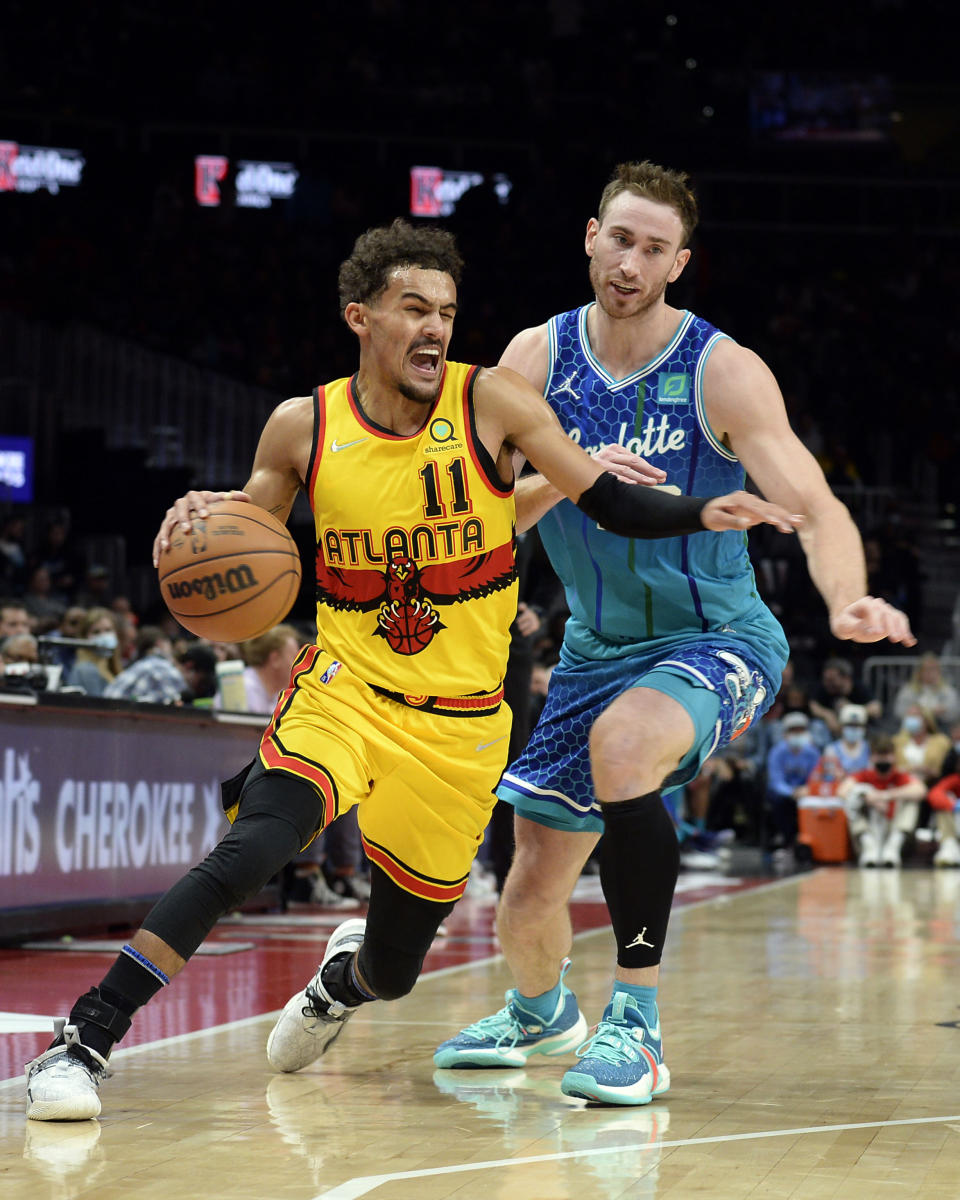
[
  {"x": 400, "y": 930},
  {"x": 639, "y": 864},
  {"x": 277, "y": 816}
]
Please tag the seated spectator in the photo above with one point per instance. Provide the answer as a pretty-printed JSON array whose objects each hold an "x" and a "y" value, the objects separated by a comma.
[
  {"x": 944, "y": 799},
  {"x": 96, "y": 590},
  {"x": 45, "y": 608},
  {"x": 19, "y": 648},
  {"x": 837, "y": 688},
  {"x": 14, "y": 617},
  {"x": 851, "y": 750},
  {"x": 60, "y": 557},
  {"x": 927, "y": 688},
  {"x": 198, "y": 662},
  {"x": 920, "y": 747},
  {"x": 13, "y": 556},
  {"x": 97, "y": 665},
  {"x": 794, "y": 699},
  {"x": 268, "y": 659},
  {"x": 153, "y": 677},
  {"x": 789, "y": 765},
  {"x": 883, "y": 803}
]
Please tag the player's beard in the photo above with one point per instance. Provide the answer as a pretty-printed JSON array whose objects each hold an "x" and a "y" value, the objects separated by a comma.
[
  {"x": 417, "y": 395},
  {"x": 644, "y": 304}
]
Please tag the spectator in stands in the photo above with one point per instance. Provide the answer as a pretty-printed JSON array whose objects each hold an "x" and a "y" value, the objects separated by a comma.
[
  {"x": 97, "y": 665},
  {"x": 927, "y": 688},
  {"x": 14, "y": 617},
  {"x": 153, "y": 677},
  {"x": 19, "y": 648},
  {"x": 920, "y": 747},
  {"x": 13, "y": 555},
  {"x": 57, "y": 554},
  {"x": 851, "y": 750},
  {"x": 789, "y": 765},
  {"x": 45, "y": 608},
  {"x": 944, "y": 799},
  {"x": 794, "y": 699},
  {"x": 268, "y": 659},
  {"x": 198, "y": 663},
  {"x": 882, "y": 806},
  {"x": 837, "y": 688},
  {"x": 96, "y": 590}
]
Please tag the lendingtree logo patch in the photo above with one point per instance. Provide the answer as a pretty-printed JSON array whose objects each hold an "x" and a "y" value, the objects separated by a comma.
[{"x": 673, "y": 387}]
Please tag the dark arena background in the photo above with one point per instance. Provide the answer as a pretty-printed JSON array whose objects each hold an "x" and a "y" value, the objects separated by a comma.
[{"x": 178, "y": 185}]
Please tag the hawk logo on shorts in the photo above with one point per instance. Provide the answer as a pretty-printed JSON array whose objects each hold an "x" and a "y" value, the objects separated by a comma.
[
  {"x": 405, "y": 596},
  {"x": 746, "y": 691}
]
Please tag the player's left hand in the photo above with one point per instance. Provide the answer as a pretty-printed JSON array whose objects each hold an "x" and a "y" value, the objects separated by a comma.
[
  {"x": 870, "y": 619},
  {"x": 741, "y": 510},
  {"x": 629, "y": 467}
]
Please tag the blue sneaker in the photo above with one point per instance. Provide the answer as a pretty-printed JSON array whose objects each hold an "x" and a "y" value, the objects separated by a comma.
[
  {"x": 512, "y": 1035},
  {"x": 623, "y": 1062}
]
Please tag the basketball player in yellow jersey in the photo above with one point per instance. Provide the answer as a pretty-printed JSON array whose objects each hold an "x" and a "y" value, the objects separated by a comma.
[{"x": 398, "y": 707}]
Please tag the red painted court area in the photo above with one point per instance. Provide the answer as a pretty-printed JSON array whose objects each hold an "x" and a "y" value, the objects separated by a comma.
[{"x": 282, "y": 953}]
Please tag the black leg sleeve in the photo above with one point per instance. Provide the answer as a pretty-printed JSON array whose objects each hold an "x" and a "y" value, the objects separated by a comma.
[
  {"x": 639, "y": 864},
  {"x": 253, "y": 851},
  {"x": 400, "y": 930}
]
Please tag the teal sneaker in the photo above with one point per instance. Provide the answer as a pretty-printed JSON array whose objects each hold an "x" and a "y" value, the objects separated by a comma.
[
  {"x": 623, "y": 1062},
  {"x": 513, "y": 1035}
]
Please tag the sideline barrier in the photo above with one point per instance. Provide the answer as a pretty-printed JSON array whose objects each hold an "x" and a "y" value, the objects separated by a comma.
[{"x": 105, "y": 804}]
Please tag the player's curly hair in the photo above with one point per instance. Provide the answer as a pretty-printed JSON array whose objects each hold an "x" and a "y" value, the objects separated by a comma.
[
  {"x": 364, "y": 275},
  {"x": 656, "y": 183}
]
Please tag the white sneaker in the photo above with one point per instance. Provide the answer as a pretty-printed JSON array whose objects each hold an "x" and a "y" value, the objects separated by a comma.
[
  {"x": 63, "y": 1084},
  {"x": 948, "y": 853},
  {"x": 312, "y": 1020},
  {"x": 323, "y": 894},
  {"x": 869, "y": 850},
  {"x": 890, "y": 855}
]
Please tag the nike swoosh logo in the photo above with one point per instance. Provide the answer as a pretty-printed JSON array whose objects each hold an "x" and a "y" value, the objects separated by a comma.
[
  {"x": 335, "y": 445},
  {"x": 487, "y": 745}
]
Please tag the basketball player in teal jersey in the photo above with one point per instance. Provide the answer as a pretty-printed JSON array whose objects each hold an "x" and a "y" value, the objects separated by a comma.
[{"x": 669, "y": 653}]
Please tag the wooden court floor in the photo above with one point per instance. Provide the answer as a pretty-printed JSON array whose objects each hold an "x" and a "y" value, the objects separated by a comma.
[{"x": 812, "y": 1027}]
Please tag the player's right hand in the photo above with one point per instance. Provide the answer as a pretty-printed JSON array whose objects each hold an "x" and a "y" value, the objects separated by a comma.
[
  {"x": 181, "y": 513},
  {"x": 629, "y": 467},
  {"x": 742, "y": 510}
]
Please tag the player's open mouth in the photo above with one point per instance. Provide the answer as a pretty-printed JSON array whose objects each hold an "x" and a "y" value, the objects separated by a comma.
[
  {"x": 623, "y": 289},
  {"x": 426, "y": 360}
]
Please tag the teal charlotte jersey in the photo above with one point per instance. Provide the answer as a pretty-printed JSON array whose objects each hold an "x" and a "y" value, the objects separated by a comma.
[{"x": 625, "y": 594}]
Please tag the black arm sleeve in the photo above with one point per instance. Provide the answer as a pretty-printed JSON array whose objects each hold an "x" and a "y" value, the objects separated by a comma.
[{"x": 635, "y": 510}]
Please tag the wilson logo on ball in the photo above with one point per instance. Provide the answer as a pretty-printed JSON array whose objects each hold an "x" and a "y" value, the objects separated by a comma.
[{"x": 237, "y": 579}]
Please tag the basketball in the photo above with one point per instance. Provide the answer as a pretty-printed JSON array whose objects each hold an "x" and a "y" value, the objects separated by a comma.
[{"x": 235, "y": 575}]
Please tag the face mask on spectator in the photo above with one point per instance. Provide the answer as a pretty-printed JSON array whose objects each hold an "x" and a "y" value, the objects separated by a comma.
[
  {"x": 883, "y": 765},
  {"x": 798, "y": 740},
  {"x": 853, "y": 734},
  {"x": 106, "y": 641},
  {"x": 913, "y": 723}
]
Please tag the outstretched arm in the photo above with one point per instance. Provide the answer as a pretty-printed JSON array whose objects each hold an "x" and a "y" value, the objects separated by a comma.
[
  {"x": 510, "y": 411},
  {"x": 279, "y": 469},
  {"x": 527, "y": 354},
  {"x": 745, "y": 407}
]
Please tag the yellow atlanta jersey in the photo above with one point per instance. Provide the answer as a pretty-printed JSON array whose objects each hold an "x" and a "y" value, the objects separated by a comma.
[{"x": 416, "y": 575}]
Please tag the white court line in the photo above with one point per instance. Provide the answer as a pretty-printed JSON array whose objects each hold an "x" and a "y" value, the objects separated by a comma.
[
  {"x": 124, "y": 1052},
  {"x": 362, "y": 1185}
]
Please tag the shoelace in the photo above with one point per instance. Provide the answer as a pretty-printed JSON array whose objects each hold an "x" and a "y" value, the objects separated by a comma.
[
  {"x": 316, "y": 1006},
  {"x": 611, "y": 1042},
  {"x": 502, "y": 1027}
]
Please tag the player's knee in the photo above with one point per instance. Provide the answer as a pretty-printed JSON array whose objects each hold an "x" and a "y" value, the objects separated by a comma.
[{"x": 388, "y": 972}]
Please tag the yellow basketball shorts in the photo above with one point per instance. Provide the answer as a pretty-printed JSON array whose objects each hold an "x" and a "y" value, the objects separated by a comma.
[{"x": 423, "y": 780}]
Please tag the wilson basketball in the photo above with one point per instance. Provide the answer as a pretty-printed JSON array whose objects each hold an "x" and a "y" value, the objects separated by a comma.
[{"x": 235, "y": 575}]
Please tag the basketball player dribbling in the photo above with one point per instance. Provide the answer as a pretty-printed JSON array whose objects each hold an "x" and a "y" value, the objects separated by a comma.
[
  {"x": 397, "y": 708},
  {"x": 669, "y": 653}
]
